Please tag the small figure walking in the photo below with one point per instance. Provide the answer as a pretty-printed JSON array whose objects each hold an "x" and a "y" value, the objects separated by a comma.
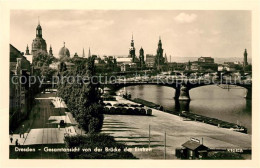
[
  {"x": 20, "y": 134},
  {"x": 59, "y": 126},
  {"x": 11, "y": 139},
  {"x": 16, "y": 142}
]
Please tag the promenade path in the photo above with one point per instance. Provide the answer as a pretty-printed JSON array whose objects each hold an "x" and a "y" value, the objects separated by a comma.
[
  {"x": 134, "y": 131},
  {"x": 43, "y": 129}
]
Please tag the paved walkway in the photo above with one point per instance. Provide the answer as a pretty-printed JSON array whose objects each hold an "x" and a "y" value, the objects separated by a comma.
[
  {"x": 15, "y": 137},
  {"x": 48, "y": 135},
  {"x": 45, "y": 123},
  {"x": 134, "y": 131}
]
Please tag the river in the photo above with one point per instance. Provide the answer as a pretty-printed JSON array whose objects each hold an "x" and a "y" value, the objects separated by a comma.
[{"x": 212, "y": 101}]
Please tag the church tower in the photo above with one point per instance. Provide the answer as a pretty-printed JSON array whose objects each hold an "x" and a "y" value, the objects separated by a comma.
[
  {"x": 27, "y": 50},
  {"x": 245, "y": 59},
  {"x": 89, "y": 54},
  {"x": 159, "y": 59},
  {"x": 141, "y": 57},
  {"x": 132, "y": 50},
  {"x": 159, "y": 49},
  {"x": 83, "y": 53},
  {"x": 39, "y": 31},
  {"x": 38, "y": 43},
  {"x": 165, "y": 58}
]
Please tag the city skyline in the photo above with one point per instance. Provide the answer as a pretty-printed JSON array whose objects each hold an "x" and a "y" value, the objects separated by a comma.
[{"x": 108, "y": 32}]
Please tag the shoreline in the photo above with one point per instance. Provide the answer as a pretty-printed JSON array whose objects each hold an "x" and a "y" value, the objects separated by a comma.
[
  {"x": 133, "y": 131},
  {"x": 192, "y": 116}
]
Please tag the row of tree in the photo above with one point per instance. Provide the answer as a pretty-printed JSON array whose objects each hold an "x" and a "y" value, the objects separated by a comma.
[{"x": 83, "y": 97}]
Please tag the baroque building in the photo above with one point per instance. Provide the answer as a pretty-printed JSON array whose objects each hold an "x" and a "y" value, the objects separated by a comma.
[
  {"x": 132, "y": 50},
  {"x": 141, "y": 57},
  {"x": 38, "y": 44},
  {"x": 159, "y": 59},
  {"x": 64, "y": 53}
]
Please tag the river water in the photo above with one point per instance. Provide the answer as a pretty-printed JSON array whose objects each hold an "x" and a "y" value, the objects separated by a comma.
[{"x": 212, "y": 101}]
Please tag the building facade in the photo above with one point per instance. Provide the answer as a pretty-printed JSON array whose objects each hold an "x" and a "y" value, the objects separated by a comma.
[
  {"x": 19, "y": 90},
  {"x": 150, "y": 60}
]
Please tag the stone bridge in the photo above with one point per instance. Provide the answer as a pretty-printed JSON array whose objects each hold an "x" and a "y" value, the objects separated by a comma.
[{"x": 182, "y": 87}]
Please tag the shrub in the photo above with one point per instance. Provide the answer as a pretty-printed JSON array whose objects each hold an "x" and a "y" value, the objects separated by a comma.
[
  {"x": 149, "y": 112},
  {"x": 91, "y": 117},
  {"x": 112, "y": 110},
  {"x": 136, "y": 111},
  {"x": 130, "y": 111},
  {"x": 118, "y": 110},
  {"x": 93, "y": 141},
  {"x": 142, "y": 111},
  {"x": 95, "y": 125},
  {"x": 124, "y": 111}
]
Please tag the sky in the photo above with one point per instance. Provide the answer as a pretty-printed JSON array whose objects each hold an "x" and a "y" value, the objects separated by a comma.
[{"x": 108, "y": 32}]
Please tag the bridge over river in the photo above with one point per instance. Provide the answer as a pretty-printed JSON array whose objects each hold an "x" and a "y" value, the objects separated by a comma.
[{"x": 182, "y": 86}]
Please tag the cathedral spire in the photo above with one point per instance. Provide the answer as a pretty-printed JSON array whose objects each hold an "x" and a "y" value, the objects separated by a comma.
[
  {"x": 165, "y": 57},
  {"x": 160, "y": 42},
  {"x": 27, "y": 50},
  {"x": 83, "y": 53},
  {"x": 132, "y": 41},
  {"x": 245, "y": 58},
  {"x": 132, "y": 49},
  {"x": 39, "y": 29},
  {"x": 89, "y": 54}
]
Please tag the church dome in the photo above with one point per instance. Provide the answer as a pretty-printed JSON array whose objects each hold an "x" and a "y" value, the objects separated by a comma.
[{"x": 64, "y": 52}]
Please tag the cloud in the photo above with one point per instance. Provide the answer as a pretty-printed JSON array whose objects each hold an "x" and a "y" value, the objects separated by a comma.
[{"x": 185, "y": 18}]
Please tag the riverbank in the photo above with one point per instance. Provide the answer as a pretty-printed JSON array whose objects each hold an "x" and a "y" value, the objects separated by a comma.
[
  {"x": 134, "y": 132},
  {"x": 195, "y": 117}
]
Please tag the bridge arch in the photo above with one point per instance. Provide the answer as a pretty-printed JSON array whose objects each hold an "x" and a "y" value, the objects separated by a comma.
[{"x": 181, "y": 89}]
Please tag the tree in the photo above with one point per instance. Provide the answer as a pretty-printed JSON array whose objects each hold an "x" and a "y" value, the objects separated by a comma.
[
  {"x": 41, "y": 58},
  {"x": 83, "y": 96},
  {"x": 92, "y": 141}
]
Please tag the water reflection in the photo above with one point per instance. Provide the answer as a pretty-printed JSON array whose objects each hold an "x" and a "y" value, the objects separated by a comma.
[{"x": 182, "y": 106}]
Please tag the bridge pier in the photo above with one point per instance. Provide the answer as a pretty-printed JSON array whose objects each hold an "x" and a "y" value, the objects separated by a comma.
[
  {"x": 182, "y": 93},
  {"x": 182, "y": 106}
]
